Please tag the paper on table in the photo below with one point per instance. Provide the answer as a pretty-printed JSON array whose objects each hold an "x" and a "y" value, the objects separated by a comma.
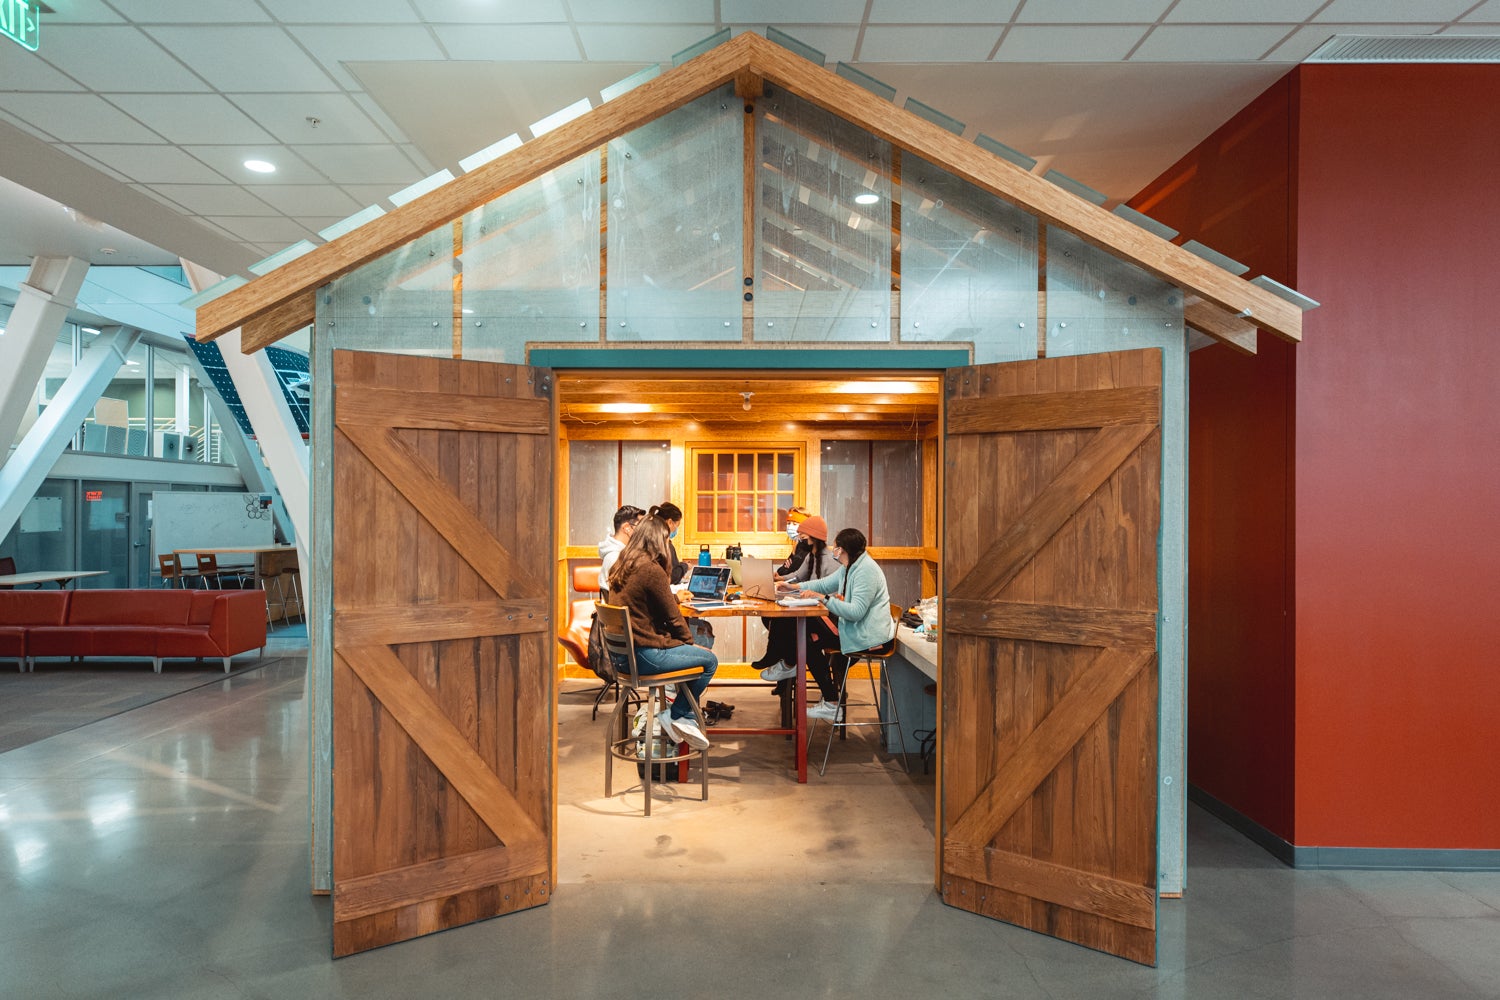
[{"x": 798, "y": 602}]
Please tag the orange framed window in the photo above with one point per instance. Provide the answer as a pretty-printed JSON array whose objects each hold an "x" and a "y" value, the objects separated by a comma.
[{"x": 741, "y": 494}]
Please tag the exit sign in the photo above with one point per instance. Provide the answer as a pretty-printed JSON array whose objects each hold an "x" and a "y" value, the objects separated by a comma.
[{"x": 21, "y": 22}]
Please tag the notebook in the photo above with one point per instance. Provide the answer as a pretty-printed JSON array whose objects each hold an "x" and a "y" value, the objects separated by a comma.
[
  {"x": 757, "y": 578},
  {"x": 706, "y": 586}
]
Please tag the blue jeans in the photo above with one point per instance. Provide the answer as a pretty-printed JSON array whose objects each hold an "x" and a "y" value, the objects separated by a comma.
[{"x": 664, "y": 661}]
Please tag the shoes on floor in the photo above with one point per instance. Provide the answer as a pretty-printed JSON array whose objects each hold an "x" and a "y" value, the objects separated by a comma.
[
  {"x": 778, "y": 671},
  {"x": 827, "y": 710},
  {"x": 688, "y": 731}
]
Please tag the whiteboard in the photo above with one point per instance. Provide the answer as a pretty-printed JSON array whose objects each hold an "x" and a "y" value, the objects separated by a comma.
[{"x": 209, "y": 521}]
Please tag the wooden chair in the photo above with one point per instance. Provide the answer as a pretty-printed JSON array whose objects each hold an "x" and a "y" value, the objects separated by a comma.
[
  {"x": 619, "y": 742},
  {"x": 871, "y": 658},
  {"x": 208, "y": 569},
  {"x": 172, "y": 573},
  {"x": 586, "y": 581}
]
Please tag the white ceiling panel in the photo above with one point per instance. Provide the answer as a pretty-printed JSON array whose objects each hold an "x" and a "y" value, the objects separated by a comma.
[
  {"x": 508, "y": 41},
  {"x": 354, "y": 12},
  {"x": 1305, "y": 40},
  {"x": 309, "y": 199},
  {"x": 783, "y": 12},
  {"x": 645, "y": 43},
  {"x": 1060, "y": 44},
  {"x": 377, "y": 114},
  {"x": 367, "y": 194},
  {"x": 104, "y": 167},
  {"x": 362, "y": 164},
  {"x": 193, "y": 118},
  {"x": 655, "y": 12},
  {"x": 928, "y": 44},
  {"x": 78, "y": 118},
  {"x": 1489, "y": 11},
  {"x": 1471, "y": 29},
  {"x": 424, "y": 163},
  {"x": 214, "y": 199},
  {"x": 278, "y": 231},
  {"x": 80, "y": 12},
  {"x": 1092, "y": 11},
  {"x": 285, "y": 116},
  {"x": 1393, "y": 10},
  {"x": 230, "y": 161},
  {"x": 22, "y": 70},
  {"x": 469, "y": 12},
  {"x": 191, "y": 11},
  {"x": 158, "y": 164},
  {"x": 1203, "y": 43},
  {"x": 117, "y": 58},
  {"x": 1215, "y": 11},
  {"x": 949, "y": 12},
  {"x": 334, "y": 46},
  {"x": 237, "y": 60}
]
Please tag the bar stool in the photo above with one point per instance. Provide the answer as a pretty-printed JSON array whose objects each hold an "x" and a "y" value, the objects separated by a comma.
[
  {"x": 619, "y": 742},
  {"x": 288, "y": 583},
  {"x": 871, "y": 658},
  {"x": 586, "y": 580}
]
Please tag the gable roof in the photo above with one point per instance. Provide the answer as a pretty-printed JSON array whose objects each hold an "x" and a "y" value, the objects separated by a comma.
[{"x": 1218, "y": 303}]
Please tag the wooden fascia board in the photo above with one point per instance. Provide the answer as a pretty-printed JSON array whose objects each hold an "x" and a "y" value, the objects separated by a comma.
[
  {"x": 300, "y": 278},
  {"x": 1209, "y": 319}
]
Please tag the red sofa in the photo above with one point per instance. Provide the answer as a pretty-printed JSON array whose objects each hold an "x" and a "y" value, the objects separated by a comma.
[{"x": 152, "y": 623}]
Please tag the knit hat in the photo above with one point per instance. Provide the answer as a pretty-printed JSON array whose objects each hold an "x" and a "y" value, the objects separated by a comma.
[
  {"x": 814, "y": 527},
  {"x": 796, "y": 515}
]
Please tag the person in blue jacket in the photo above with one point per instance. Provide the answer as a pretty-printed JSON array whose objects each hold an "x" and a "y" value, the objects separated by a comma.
[{"x": 857, "y": 598}]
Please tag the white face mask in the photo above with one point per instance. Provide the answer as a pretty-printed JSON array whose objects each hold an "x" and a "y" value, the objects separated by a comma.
[{"x": 791, "y": 532}]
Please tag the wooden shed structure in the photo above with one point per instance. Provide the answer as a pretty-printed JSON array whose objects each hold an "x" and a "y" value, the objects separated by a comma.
[{"x": 746, "y": 219}]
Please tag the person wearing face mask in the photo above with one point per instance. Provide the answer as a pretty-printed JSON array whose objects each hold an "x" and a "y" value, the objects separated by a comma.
[
  {"x": 789, "y": 565},
  {"x": 858, "y": 596},
  {"x": 812, "y": 560},
  {"x": 672, "y": 515}
]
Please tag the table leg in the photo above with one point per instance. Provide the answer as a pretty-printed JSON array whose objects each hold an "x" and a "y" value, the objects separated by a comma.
[{"x": 799, "y": 703}]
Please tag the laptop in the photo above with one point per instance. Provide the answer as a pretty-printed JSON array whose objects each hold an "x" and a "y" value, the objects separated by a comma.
[
  {"x": 707, "y": 585},
  {"x": 757, "y": 578}
]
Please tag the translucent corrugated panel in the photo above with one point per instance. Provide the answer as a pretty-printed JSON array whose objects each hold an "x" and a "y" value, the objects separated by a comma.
[
  {"x": 823, "y": 226},
  {"x": 1097, "y": 302},
  {"x": 845, "y": 484},
  {"x": 675, "y": 214},
  {"x": 896, "y": 493},
  {"x": 968, "y": 266},
  {"x": 903, "y": 578},
  {"x": 399, "y": 304},
  {"x": 530, "y": 265},
  {"x": 645, "y": 472},
  {"x": 593, "y": 472}
]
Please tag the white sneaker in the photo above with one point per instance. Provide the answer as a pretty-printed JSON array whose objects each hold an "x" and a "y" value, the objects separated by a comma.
[
  {"x": 827, "y": 710},
  {"x": 687, "y": 729},
  {"x": 667, "y": 725},
  {"x": 778, "y": 671}
]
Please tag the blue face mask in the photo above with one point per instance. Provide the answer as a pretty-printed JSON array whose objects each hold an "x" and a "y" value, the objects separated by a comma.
[
  {"x": 672, "y": 533},
  {"x": 791, "y": 532}
]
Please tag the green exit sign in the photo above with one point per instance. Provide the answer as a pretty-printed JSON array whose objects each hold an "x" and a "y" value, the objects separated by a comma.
[{"x": 21, "y": 22}]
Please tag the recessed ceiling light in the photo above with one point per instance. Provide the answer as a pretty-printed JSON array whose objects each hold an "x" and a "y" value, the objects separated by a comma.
[
  {"x": 625, "y": 407},
  {"x": 860, "y": 199},
  {"x": 108, "y": 251},
  {"x": 260, "y": 166}
]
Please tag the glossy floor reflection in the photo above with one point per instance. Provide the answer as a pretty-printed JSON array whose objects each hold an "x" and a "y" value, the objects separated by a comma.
[{"x": 163, "y": 853}]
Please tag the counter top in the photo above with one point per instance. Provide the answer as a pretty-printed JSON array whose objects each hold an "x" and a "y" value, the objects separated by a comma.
[{"x": 917, "y": 651}]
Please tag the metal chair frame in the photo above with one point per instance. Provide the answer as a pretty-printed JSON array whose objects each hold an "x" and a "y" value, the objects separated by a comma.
[{"x": 841, "y": 727}]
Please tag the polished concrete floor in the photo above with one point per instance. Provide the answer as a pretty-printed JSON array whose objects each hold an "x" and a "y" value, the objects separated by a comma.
[{"x": 163, "y": 853}]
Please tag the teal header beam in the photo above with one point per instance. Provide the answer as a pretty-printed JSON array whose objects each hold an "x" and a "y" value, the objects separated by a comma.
[{"x": 743, "y": 358}]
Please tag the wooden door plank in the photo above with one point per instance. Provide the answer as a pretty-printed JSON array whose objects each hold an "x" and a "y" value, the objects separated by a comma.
[
  {"x": 1050, "y": 623},
  {"x": 1060, "y": 410},
  {"x": 436, "y": 410},
  {"x": 392, "y": 625},
  {"x": 388, "y": 890},
  {"x": 1101, "y": 895}
]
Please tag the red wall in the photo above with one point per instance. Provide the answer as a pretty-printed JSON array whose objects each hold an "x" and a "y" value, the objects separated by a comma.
[
  {"x": 1344, "y": 679},
  {"x": 1233, "y": 193},
  {"x": 1398, "y": 458}
]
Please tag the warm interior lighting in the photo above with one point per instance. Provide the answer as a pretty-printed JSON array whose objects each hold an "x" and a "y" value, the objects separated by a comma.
[
  {"x": 260, "y": 166},
  {"x": 896, "y": 387},
  {"x": 625, "y": 407}
]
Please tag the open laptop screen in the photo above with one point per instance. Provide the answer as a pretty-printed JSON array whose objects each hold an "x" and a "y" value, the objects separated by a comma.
[{"x": 708, "y": 583}]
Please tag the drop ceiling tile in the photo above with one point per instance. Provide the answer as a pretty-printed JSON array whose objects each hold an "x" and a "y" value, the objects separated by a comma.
[
  {"x": 214, "y": 199},
  {"x": 423, "y": 164},
  {"x": 1216, "y": 11},
  {"x": 117, "y": 58},
  {"x": 949, "y": 12},
  {"x": 82, "y": 12},
  {"x": 1489, "y": 11},
  {"x": 1217, "y": 43},
  {"x": 500, "y": 42},
  {"x": 27, "y": 127},
  {"x": 22, "y": 70},
  {"x": 230, "y": 161},
  {"x": 1043, "y": 44},
  {"x": 335, "y": 46},
  {"x": 836, "y": 44},
  {"x": 195, "y": 118},
  {"x": 639, "y": 42},
  {"x": 190, "y": 11},
  {"x": 378, "y": 115},
  {"x": 369, "y": 194},
  {"x": 1466, "y": 28},
  {"x": 469, "y": 12},
  {"x": 1092, "y": 11},
  {"x": 656, "y": 12},
  {"x": 241, "y": 59},
  {"x": 1305, "y": 40},
  {"x": 351, "y": 13},
  {"x": 156, "y": 196},
  {"x": 159, "y": 164},
  {"x": 78, "y": 118},
  {"x": 308, "y": 199},
  {"x": 361, "y": 164},
  {"x": 928, "y": 44},
  {"x": 255, "y": 229},
  {"x": 103, "y": 166},
  {"x": 285, "y": 116},
  {"x": 783, "y": 12},
  {"x": 1364, "y": 11}
]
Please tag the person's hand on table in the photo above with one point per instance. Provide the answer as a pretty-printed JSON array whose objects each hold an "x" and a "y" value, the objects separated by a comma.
[{"x": 809, "y": 593}]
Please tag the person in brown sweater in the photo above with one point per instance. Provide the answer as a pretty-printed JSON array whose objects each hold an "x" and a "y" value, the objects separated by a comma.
[{"x": 638, "y": 581}]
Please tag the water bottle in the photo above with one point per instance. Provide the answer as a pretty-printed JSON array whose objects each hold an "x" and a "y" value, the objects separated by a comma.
[{"x": 704, "y": 559}]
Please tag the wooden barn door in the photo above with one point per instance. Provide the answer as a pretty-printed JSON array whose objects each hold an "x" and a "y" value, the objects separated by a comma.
[
  {"x": 442, "y": 637},
  {"x": 1049, "y": 669}
]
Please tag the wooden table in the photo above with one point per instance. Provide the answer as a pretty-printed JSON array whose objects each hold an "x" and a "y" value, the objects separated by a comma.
[
  {"x": 63, "y": 578},
  {"x": 270, "y": 560},
  {"x": 749, "y": 608}
]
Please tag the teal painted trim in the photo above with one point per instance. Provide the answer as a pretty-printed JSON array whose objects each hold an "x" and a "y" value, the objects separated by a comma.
[{"x": 740, "y": 358}]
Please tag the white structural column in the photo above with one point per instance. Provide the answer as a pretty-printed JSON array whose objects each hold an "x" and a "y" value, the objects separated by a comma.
[
  {"x": 39, "y": 449},
  {"x": 46, "y": 296}
]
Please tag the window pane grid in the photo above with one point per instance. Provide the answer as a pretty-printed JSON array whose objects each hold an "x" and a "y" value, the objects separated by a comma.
[{"x": 739, "y": 494}]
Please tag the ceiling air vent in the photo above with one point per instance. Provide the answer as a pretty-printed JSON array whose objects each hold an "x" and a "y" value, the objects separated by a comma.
[{"x": 1408, "y": 49}]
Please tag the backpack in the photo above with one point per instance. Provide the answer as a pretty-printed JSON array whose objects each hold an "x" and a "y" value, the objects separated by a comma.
[{"x": 599, "y": 659}]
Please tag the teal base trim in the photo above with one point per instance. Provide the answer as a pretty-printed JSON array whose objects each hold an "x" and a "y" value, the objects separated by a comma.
[
  {"x": 1324, "y": 858},
  {"x": 737, "y": 358}
]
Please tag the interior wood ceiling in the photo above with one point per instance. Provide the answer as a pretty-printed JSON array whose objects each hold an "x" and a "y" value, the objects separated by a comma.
[{"x": 716, "y": 400}]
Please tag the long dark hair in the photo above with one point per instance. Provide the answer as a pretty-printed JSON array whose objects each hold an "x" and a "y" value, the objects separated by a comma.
[
  {"x": 817, "y": 552},
  {"x": 667, "y": 511},
  {"x": 647, "y": 546},
  {"x": 852, "y": 541}
]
